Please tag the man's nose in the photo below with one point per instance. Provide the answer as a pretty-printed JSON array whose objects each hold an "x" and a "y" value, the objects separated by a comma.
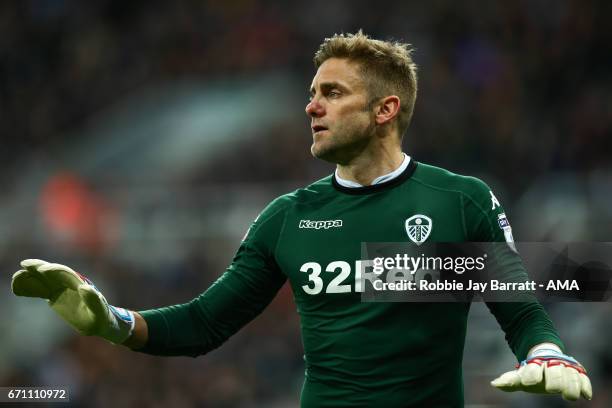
[{"x": 315, "y": 109}]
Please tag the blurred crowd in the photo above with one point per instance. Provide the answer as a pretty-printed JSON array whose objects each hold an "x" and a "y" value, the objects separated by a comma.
[
  {"x": 523, "y": 81},
  {"x": 511, "y": 91}
]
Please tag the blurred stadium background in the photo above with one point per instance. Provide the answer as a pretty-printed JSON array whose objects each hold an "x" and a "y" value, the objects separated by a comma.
[{"x": 139, "y": 140}]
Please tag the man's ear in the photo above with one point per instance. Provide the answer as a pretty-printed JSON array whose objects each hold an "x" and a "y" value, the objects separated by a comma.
[{"x": 387, "y": 108}]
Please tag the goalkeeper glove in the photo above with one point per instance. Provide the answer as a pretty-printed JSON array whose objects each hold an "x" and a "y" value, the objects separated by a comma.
[
  {"x": 74, "y": 298},
  {"x": 547, "y": 370}
]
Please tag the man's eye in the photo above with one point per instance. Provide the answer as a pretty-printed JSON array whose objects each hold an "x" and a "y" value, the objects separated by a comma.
[{"x": 333, "y": 94}]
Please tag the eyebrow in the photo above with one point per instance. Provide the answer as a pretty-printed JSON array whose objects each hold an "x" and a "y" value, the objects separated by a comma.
[{"x": 329, "y": 85}]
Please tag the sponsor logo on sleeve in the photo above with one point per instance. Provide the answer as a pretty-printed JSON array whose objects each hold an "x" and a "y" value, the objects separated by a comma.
[
  {"x": 502, "y": 220},
  {"x": 504, "y": 224}
]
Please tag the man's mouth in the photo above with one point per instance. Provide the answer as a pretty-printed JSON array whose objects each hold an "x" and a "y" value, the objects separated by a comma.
[{"x": 318, "y": 128}]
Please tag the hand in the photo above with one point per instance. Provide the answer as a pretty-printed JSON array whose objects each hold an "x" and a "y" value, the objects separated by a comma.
[
  {"x": 74, "y": 298},
  {"x": 548, "y": 371}
]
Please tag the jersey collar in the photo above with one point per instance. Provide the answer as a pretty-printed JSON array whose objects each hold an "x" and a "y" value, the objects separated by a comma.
[{"x": 397, "y": 176}]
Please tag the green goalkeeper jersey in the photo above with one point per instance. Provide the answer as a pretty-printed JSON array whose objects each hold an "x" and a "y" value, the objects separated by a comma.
[{"x": 357, "y": 354}]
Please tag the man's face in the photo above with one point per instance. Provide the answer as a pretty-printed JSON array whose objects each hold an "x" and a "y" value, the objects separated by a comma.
[{"x": 342, "y": 126}]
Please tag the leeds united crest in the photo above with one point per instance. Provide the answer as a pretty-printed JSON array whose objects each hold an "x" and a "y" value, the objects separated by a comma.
[{"x": 418, "y": 228}]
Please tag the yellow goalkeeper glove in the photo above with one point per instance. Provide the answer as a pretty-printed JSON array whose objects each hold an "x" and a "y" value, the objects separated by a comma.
[{"x": 75, "y": 298}]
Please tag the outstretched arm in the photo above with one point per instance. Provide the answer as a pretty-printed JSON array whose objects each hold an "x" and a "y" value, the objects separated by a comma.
[
  {"x": 543, "y": 367},
  {"x": 248, "y": 285},
  {"x": 190, "y": 329}
]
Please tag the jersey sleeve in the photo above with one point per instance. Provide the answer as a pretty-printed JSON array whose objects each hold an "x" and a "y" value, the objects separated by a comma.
[
  {"x": 247, "y": 286},
  {"x": 525, "y": 322}
]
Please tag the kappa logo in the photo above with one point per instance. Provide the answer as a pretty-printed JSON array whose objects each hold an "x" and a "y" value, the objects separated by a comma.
[
  {"x": 320, "y": 224},
  {"x": 494, "y": 202},
  {"x": 418, "y": 228}
]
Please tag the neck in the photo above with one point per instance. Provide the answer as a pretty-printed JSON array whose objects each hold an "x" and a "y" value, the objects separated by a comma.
[{"x": 368, "y": 166}]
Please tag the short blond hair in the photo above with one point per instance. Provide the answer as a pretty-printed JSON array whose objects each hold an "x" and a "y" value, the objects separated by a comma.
[{"x": 386, "y": 67}]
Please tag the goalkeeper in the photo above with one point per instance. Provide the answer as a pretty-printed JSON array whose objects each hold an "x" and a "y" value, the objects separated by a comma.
[{"x": 356, "y": 354}]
